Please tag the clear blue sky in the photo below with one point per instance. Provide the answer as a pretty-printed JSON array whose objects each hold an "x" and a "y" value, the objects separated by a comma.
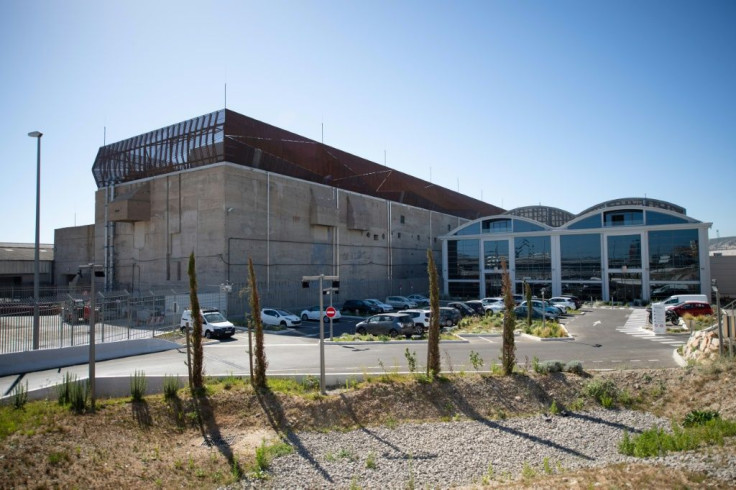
[{"x": 564, "y": 103}]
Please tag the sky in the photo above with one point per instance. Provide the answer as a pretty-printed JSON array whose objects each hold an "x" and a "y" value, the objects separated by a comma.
[{"x": 564, "y": 103}]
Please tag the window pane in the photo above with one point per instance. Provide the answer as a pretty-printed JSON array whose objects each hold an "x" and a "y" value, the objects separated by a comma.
[
  {"x": 497, "y": 226},
  {"x": 589, "y": 222},
  {"x": 624, "y": 250},
  {"x": 624, "y": 218},
  {"x": 494, "y": 252},
  {"x": 584, "y": 291},
  {"x": 472, "y": 229},
  {"x": 624, "y": 287},
  {"x": 464, "y": 289},
  {"x": 580, "y": 256},
  {"x": 522, "y": 226},
  {"x": 462, "y": 259},
  {"x": 674, "y": 255},
  {"x": 655, "y": 218},
  {"x": 533, "y": 258}
]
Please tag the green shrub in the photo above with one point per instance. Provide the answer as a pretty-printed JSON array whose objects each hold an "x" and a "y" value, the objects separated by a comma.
[
  {"x": 78, "y": 396},
  {"x": 658, "y": 441},
  {"x": 476, "y": 360},
  {"x": 700, "y": 417},
  {"x": 20, "y": 395},
  {"x": 575, "y": 367},
  {"x": 63, "y": 390},
  {"x": 604, "y": 392},
  {"x": 171, "y": 387},
  {"x": 411, "y": 359},
  {"x": 138, "y": 385}
]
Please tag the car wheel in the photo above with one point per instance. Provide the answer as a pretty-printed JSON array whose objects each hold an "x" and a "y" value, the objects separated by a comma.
[
  {"x": 208, "y": 334},
  {"x": 304, "y": 318},
  {"x": 183, "y": 329},
  {"x": 393, "y": 333},
  {"x": 360, "y": 331},
  {"x": 448, "y": 323},
  {"x": 283, "y": 323}
]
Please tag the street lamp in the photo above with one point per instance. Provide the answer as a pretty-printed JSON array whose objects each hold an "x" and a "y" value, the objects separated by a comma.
[{"x": 36, "y": 299}]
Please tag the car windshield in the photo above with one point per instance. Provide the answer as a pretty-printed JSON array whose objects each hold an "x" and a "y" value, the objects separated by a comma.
[
  {"x": 214, "y": 317},
  {"x": 284, "y": 313}
]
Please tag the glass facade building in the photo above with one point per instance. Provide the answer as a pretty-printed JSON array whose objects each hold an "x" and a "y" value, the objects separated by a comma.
[{"x": 633, "y": 249}]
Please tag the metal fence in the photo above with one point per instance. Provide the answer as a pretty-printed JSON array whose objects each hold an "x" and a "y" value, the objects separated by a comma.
[{"x": 121, "y": 315}]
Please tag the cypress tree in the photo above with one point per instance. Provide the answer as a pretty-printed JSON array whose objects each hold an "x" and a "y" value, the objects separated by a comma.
[
  {"x": 433, "y": 338},
  {"x": 508, "y": 359},
  {"x": 259, "y": 377},
  {"x": 197, "y": 352}
]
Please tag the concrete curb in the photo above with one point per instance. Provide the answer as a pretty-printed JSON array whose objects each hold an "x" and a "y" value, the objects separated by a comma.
[
  {"x": 679, "y": 359},
  {"x": 41, "y": 360}
]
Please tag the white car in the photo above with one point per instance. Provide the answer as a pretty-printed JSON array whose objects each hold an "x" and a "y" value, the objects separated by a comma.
[
  {"x": 312, "y": 313},
  {"x": 566, "y": 303},
  {"x": 385, "y": 307},
  {"x": 420, "y": 317},
  {"x": 274, "y": 317},
  {"x": 213, "y": 323}
]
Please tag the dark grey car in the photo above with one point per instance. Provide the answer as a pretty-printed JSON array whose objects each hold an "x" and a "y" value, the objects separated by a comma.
[{"x": 391, "y": 324}]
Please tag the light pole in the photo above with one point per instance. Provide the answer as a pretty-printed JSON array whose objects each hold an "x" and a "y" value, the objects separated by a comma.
[{"x": 36, "y": 299}]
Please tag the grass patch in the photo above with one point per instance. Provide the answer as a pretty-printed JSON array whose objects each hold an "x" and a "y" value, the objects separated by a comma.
[
  {"x": 658, "y": 441},
  {"x": 265, "y": 453}
]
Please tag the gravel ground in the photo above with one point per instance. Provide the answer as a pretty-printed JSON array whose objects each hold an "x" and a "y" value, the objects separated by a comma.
[{"x": 450, "y": 454}]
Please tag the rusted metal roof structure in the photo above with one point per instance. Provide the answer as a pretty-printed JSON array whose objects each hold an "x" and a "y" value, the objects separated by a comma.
[{"x": 231, "y": 137}]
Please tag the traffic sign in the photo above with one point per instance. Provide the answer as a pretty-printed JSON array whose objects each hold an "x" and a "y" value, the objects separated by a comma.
[{"x": 330, "y": 312}]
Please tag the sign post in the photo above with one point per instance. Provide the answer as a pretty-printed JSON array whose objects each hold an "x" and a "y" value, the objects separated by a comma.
[{"x": 335, "y": 284}]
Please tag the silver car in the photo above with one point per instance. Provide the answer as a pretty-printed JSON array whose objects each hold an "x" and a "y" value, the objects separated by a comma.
[{"x": 391, "y": 324}]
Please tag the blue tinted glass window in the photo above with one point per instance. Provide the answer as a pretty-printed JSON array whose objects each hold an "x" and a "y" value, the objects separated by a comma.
[
  {"x": 586, "y": 223},
  {"x": 494, "y": 252},
  {"x": 497, "y": 226},
  {"x": 624, "y": 250},
  {"x": 655, "y": 218},
  {"x": 674, "y": 255},
  {"x": 580, "y": 257},
  {"x": 462, "y": 259},
  {"x": 533, "y": 257},
  {"x": 624, "y": 218},
  {"x": 522, "y": 226},
  {"x": 471, "y": 229}
]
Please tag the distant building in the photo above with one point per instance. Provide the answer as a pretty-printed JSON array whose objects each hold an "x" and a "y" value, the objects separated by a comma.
[
  {"x": 622, "y": 250},
  {"x": 17, "y": 266}
]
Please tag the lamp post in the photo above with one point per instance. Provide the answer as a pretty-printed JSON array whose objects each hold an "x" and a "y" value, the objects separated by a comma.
[{"x": 36, "y": 299}]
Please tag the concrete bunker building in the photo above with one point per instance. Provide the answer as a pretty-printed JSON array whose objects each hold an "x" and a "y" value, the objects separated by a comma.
[{"x": 228, "y": 188}]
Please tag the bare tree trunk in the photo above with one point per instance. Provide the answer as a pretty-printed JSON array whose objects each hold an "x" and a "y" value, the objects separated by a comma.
[
  {"x": 433, "y": 338},
  {"x": 198, "y": 355},
  {"x": 509, "y": 322},
  {"x": 259, "y": 378}
]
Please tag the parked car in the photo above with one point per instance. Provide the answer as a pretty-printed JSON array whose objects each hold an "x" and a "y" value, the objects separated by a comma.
[
  {"x": 313, "y": 313},
  {"x": 578, "y": 302},
  {"x": 464, "y": 309},
  {"x": 493, "y": 305},
  {"x": 214, "y": 324},
  {"x": 400, "y": 302},
  {"x": 385, "y": 307},
  {"x": 420, "y": 317},
  {"x": 449, "y": 316},
  {"x": 693, "y": 308},
  {"x": 360, "y": 307},
  {"x": 476, "y": 305},
  {"x": 521, "y": 313},
  {"x": 283, "y": 318},
  {"x": 538, "y": 305},
  {"x": 419, "y": 299},
  {"x": 566, "y": 303},
  {"x": 391, "y": 324}
]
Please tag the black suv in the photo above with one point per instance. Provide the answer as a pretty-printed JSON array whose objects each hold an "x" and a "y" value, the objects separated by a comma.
[{"x": 360, "y": 307}]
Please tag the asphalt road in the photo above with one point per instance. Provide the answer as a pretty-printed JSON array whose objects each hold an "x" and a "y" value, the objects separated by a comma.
[{"x": 604, "y": 338}]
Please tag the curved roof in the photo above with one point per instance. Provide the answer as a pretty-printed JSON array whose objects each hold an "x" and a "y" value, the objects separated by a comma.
[
  {"x": 228, "y": 136},
  {"x": 554, "y": 217},
  {"x": 637, "y": 201}
]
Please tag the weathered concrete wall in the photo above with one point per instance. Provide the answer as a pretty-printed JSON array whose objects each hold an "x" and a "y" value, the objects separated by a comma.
[
  {"x": 723, "y": 270},
  {"x": 227, "y": 213},
  {"x": 73, "y": 247}
]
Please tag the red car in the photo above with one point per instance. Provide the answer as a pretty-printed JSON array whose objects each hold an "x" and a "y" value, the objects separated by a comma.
[{"x": 693, "y": 308}]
